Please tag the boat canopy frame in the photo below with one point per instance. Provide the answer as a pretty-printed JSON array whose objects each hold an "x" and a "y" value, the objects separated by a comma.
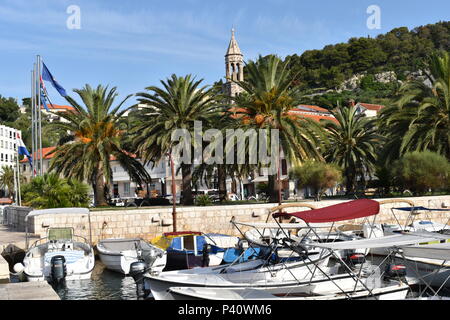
[{"x": 34, "y": 213}]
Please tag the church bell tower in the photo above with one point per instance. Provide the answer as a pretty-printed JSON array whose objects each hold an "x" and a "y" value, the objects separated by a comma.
[{"x": 234, "y": 67}]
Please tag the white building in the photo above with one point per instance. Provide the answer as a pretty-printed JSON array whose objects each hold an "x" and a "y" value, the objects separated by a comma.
[
  {"x": 54, "y": 110},
  {"x": 8, "y": 145},
  {"x": 122, "y": 185},
  {"x": 369, "y": 110}
]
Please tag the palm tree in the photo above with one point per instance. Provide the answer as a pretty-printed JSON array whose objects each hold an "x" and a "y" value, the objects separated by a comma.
[
  {"x": 268, "y": 99},
  {"x": 94, "y": 136},
  {"x": 7, "y": 179},
  {"x": 353, "y": 144},
  {"x": 51, "y": 191},
  {"x": 424, "y": 110},
  {"x": 176, "y": 105}
]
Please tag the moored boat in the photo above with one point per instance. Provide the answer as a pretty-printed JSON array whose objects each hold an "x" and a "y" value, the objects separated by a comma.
[
  {"x": 118, "y": 254},
  {"x": 59, "y": 256}
]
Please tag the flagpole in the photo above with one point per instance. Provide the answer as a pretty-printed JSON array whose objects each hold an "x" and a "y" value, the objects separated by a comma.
[
  {"x": 33, "y": 98},
  {"x": 40, "y": 114},
  {"x": 19, "y": 198},
  {"x": 15, "y": 188},
  {"x": 35, "y": 117}
]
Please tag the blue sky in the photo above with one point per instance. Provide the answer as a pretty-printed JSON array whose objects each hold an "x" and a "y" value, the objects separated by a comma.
[{"x": 134, "y": 44}]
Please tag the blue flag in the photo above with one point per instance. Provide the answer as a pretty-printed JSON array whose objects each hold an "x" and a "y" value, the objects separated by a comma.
[
  {"x": 47, "y": 76},
  {"x": 43, "y": 101},
  {"x": 22, "y": 150}
]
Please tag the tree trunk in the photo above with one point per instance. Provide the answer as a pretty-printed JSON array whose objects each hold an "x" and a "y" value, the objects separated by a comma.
[
  {"x": 174, "y": 193},
  {"x": 273, "y": 189},
  {"x": 349, "y": 184},
  {"x": 221, "y": 177},
  {"x": 186, "y": 172},
  {"x": 99, "y": 187}
]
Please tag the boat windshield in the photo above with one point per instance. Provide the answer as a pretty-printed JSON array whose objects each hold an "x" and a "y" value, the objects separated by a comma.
[{"x": 60, "y": 234}]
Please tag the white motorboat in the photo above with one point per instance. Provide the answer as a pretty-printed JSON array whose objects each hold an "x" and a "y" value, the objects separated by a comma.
[
  {"x": 59, "y": 256},
  {"x": 427, "y": 264},
  {"x": 252, "y": 274},
  {"x": 389, "y": 290},
  {"x": 118, "y": 254}
]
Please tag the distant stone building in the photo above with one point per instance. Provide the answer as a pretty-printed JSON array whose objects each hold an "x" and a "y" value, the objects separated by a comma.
[{"x": 369, "y": 110}]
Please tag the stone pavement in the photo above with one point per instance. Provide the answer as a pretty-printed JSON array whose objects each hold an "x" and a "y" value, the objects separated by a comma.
[
  {"x": 27, "y": 291},
  {"x": 15, "y": 238}
]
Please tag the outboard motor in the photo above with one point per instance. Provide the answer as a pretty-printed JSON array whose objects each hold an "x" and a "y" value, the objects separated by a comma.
[
  {"x": 58, "y": 269},
  {"x": 395, "y": 271},
  {"x": 354, "y": 258},
  {"x": 205, "y": 255},
  {"x": 137, "y": 271}
]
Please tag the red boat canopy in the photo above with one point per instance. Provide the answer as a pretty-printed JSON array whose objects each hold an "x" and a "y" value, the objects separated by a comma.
[{"x": 339, "y": 212}]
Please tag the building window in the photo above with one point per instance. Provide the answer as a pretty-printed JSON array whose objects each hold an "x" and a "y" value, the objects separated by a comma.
[
  {"x": 24, "y": 168},
  {"x": 6, "y": 157},
  {"x": 1, "y": 159}
]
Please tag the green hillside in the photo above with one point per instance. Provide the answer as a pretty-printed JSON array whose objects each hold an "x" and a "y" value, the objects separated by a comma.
[{"x": 400, "y": 50}]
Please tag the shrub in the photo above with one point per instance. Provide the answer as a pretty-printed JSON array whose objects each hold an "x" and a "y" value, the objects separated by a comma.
[
  {"x": 422, "y": 172},
  {"x": 317, "y": 175},
  {"x": 203, "y": 201}
]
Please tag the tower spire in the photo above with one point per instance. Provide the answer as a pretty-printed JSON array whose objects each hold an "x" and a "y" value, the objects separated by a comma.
[{"x": 233, "y": 47}]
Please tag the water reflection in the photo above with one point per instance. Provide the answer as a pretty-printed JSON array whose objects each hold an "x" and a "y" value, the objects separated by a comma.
[{"x": 103, "y": 285}]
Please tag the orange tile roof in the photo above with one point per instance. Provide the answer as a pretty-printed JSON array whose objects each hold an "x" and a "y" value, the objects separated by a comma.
[
  {"x": 59, "y": 107},
  {"x": 315, "y": 117},
  {"x": 37, "y": 155}
]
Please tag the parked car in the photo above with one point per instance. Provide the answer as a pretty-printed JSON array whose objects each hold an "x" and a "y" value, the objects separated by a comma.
[
  {"x": 170, "y": 198},
  {"x": 212, "y": 193},
  {"x": 233, "y": 197}
]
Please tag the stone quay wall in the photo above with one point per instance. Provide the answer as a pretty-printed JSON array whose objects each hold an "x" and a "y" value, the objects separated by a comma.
[{"x": 151, "y": 222}]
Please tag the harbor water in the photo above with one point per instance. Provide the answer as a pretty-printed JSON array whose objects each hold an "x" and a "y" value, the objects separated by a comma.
[{"x": 103, "y": 285}]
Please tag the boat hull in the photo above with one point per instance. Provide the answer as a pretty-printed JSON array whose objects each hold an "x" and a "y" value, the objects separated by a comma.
[
  {"x": 392, "y": 292},
  {"x": 427, "y": 272}
]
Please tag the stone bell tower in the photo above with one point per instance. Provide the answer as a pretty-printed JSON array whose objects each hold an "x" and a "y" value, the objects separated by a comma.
[{"x": 234, "y": 67}]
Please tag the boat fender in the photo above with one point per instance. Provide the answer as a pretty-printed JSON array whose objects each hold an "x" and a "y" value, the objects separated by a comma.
[
  {"x": 58, "y": 269},
  {"x": 18, "y": 267}
]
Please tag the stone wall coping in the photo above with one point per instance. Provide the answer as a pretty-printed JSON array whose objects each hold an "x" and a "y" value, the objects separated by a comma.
[{"x": 255, "y": 206}]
